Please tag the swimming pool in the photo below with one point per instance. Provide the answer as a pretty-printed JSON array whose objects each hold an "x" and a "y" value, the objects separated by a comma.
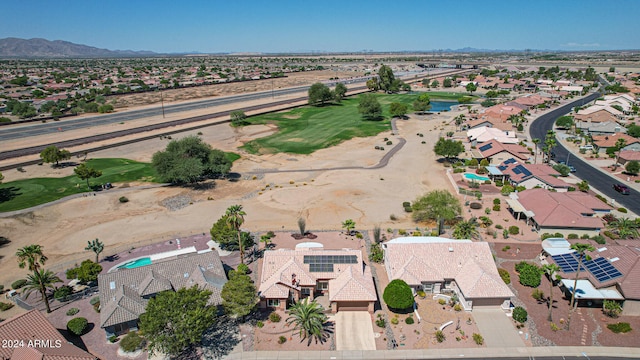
[
  {"x": 472, "y": 176},
  {"x": 136, "y": 263}
]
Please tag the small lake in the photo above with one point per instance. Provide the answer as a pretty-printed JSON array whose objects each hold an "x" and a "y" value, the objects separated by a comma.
[{"x": 437, "y": 106}]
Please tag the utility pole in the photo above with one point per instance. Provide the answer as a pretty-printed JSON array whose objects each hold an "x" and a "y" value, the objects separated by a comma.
[{"x": 162, "y": 102}]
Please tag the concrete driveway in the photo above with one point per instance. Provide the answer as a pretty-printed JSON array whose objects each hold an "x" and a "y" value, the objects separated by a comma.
[
  {"x": 354, "y": 331},
  {"x": 497, "y": 329}
]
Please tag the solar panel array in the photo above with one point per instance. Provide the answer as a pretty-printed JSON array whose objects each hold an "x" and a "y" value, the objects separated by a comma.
[
  {"x": 600, "y": 268},
  {"x": 324, "y": 263},
  {"x": 509, "y": 161},
  {"x": 520, "y": 169},
  {"x": 485, "y": 147}
]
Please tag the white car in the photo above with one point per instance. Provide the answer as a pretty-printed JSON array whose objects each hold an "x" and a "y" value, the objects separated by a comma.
[{"x": 586, "y": 147}]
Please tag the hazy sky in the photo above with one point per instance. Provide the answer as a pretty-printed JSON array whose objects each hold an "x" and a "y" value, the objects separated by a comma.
[{"x": 327, "y": 25}]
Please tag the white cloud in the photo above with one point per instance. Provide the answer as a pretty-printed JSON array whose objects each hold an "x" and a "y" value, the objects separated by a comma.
[{"x": 573, "y": 44}]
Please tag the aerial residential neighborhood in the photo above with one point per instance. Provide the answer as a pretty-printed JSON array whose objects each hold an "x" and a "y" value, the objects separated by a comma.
[{"x": 207, "y": 194}]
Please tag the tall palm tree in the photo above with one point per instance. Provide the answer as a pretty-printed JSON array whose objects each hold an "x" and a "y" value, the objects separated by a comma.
[
  {"x": 624, "y": 227},
  {"x": 309, "y": 319},
  {"x": 40, "y": 281},
  {"x": 581, "y": 249},
  {"x": 235, "y": 219},
  {"x": 31, "y": 256},
  {"x": 535, "y": 141},
  {"x": 550, "y": 142},
  {"x": 96, "y": 246},
  {"x": 466, "y": 229},
  {"x": 549, "y": 270}
]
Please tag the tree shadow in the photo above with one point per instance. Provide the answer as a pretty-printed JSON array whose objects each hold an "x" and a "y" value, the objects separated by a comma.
[
  {"x": 233, "y": 176},
  {"x": 327, "y": 330},
  {"x": 9, "y": 193},
  {"x": 111, "y": 258},
  {"x": 221, "y": 338},
  {"x": 75, "y": 339}
]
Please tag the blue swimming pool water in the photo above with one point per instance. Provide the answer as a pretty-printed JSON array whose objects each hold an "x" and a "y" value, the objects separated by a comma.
[
  {"x": 472, "y": 176},
  {"x": 136, "y": 263},
  {"x": 437, "y": 106}
]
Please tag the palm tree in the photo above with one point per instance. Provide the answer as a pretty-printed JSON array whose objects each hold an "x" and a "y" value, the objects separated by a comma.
[
  {"x": 235, "y": 219},
  {"x": 466, "y": 229},
  {"x": 32, "y": 256},
  {"x": 309, "y": 319},
  {"x": 349, "y": 225},
  {"x": 549, "y": 270},
  {"x": 40, "y": 281},
  {"x": 580, "y": 249},
  {"x": 583, "y": 186},
  {"x": 96, "y": 246},
  {"x": 535, "y": 141},
  {"x": 624, "y": 227},
  {"x": 550, "y": 142}
]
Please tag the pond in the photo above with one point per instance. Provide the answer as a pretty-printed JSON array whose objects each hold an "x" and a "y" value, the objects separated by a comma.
[{"x": 437, "y": 106}]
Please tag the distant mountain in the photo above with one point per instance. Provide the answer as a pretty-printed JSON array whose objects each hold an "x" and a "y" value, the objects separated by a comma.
[{"x": 42, "y": 48}]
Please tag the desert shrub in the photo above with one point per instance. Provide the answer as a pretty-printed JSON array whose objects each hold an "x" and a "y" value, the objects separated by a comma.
[
  {"x": 611, "y": 308},
  {"x": 18, "y": 284},
  {"x": 519, "y": 314},
  {"x": 380, "y": 321},
  {"x": 548, "y": 235},
  {"x": 537, "y": 294},
  {"x": 62, "y": 292},
  {"x": 496, "y": 207},
  {"x": 572, "y": 236},
  {"x": 402, "y": 232},
  {"x": 459, "y": 170},
  {"x": 609, "y": 218},
  {"x": 406, "y": 204},
  {"x": 409, "y": 320},
  {"x": 621, "y": 327},
  {"x": 389, "y": 142},
  {"x": 394, "y": 321},
  {"x": 554, "y": 327},
  {"x": 506, "y": 190},
  {"x": 487, "y": 211},
  {"x": 499, "y": 183},
  {"x": 506, "y": 248},
  {"x": 94, "y": 300},
  {"x": 275, "y": 317},
  {"x": 496, "y": 201},
  {"x": 610, "y": 235},
  {"x": 72, "y": 311},
  {"x": 376, "y": 254},
  {"x": 602, "y": 198},
  {"x": 440, "y": 336},
  {"x": 442, "y": 301},
  {"x": 584, "y": 236},
  {"x": 359, "y": 235},
  {"x": 478, "y": 339},
  {"x": 514, "y": 230},
  {"x": 113, "y": 338},
  {"x": 131, "y": 342},
  {"x": 282, "y": 340},
  {"x": 421, "y": 293},
  {"x": 622, "y": 210},
  {"x": 530, "y": 275},
  {"x": 123, "y": 199},
  {"x": 599, "y": 239},
  {"x": 504, "y": 274},
  {"x": 408, "y": 209},
  {"x": 5, "y": 306},
  {"x": 260, "y": 324},
  {"x": 392, "y": 217},
  {"x": 475, "y": 205},
  {"x": 398, "y": 295},
  {"x": 457, "y": 307},
  {"x": 77, "y": 325}
]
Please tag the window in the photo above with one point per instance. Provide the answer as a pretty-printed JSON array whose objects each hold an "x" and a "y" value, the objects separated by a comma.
[
  {"x": 273, "y": 302},
  {"x": 323, "y": 285},
  {"x": 305, "y": 291}
]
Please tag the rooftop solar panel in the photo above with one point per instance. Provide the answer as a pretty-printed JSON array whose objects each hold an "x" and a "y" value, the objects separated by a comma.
[
  {"x": 600, "y": 268},
  {"x": 485, "y": 147},
  {"x": 510, "y": 161}
]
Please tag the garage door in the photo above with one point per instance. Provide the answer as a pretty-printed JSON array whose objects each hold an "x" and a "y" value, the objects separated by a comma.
[{"x": 353, "y": 306}]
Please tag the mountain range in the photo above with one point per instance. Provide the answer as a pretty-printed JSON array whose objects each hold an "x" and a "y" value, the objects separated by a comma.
[{"x": 42, "y": 48}]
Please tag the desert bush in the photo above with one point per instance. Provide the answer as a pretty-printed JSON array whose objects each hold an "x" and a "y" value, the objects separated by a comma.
[
  {"x": 611, "y": 308},
  {"x": 442, "y": 301},
  {"x": 380, "y": 321},
  {"x": 402, "y": 232},
  {"x": 440, "y": 336},
  {"x": 408, "y": 209},
  {"x": 260, "y": 324},
  {"x": 506, "y": 248},
  {"x": 123, "y": 199},
  {"x": 609, "y": 218},
  {"x": 504, "y": 274},
  {"x": 282, "y": 340},
  {"x": 406, "y": 204},
  {"x": 132, "y": 342},
  {"x": 5, "y": 306},
  {"x": 496, "y": 207},
  {"x": 94, "y": 300},
  {"x": 478, "y": 339},
  {"x": 499, "y": 227},
  {"x": 621, "y": 327},
  {"x": 376, "y": 254},
  {"x": 409, "y": 320},
  {"x": 519, "y": 314},
  {"x": 611, "y": 235},
  {"x": 275, "y": 317},
  {"x": 537, "y": 294},
  {"x": 459, "y": 170},
  {"x": 514, "y": 230},
  {"x": 572, "y": 236},
  {"x": 113, "y": 338},
  {"x": 457, "y": 307},
  {"x": 72, "y": 311},
  {"x": 398, "y": 295},
  {"x": 554, "y": 327},
  {"x": 421, "y": 294},
  {"x": 496, "y": 201},
  {"x": 62, "y": 292},
  {"x": 392, "y": 217},
  {"x": 622, "y": 210},
  {"x": 394, "y": 321},
  {"x": 18, "y": 284},
  {"x": 599, "y": 239},
  {"x": 530, "y": 274},
  {"x": 77, "y": 325}
]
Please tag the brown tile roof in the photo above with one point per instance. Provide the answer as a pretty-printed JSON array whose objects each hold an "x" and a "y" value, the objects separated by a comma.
[
  {"x": 493, "y": 147},
  {"x": 598, "y": 116},
  {"x": 32, "y": 326},
  {"x": 564, "y": 210},
  {"x": 606, "y": 141},
  {"x": 122, "y": 291},
  {"x": 347, "y": 282},
  {"x": 629, "y": 155},
  {"x": 470, "y": 264}
]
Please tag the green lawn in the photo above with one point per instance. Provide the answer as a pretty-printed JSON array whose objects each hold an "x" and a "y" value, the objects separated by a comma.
[
  {"x": 307, "y": 129},
  {"x": 22, "y": 194}
]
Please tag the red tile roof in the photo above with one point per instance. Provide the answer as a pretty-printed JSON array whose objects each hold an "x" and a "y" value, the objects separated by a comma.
[
  {"x": 606, "y": 141},
  {"x": 37, "y": 339}
]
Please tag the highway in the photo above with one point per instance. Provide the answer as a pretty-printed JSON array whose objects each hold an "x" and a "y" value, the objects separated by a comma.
[{"x": 596, "y": 178}]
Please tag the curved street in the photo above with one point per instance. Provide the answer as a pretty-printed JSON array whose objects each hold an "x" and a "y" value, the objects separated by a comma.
[{"x": 597, "y": 179}]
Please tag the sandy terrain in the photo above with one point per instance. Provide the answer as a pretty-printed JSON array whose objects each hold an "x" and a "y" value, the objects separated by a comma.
[{"x": 328, "y": 198}]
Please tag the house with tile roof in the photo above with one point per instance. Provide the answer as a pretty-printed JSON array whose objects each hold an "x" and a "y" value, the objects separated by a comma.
[
  {"x": 600, "y": 128},
  {"x": 485, "y": 133},
  {"x": 572, "y": 212},
  {"x": 528, "y": 175},
  {"x": 438, "y": 265},
  {"x": 337, "y": 278},
  {"x": 628, "y": 155},
  {"x": 603, "y": 142},
  {"x": 30, "y": 336},
  {"x": 124, "y": 293},
  {"x": 496, "y": 152},
  {"x": 610, "y": 273}
]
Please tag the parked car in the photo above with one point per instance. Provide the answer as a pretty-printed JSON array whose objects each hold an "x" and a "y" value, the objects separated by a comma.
[
  {"x": 621, "y": 188},
  {"x": 586, "y": 147},
  {"x": 572, "y": 169}
]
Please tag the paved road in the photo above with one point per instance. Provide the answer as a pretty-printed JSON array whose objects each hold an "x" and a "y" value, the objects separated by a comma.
[
  {"x": 497, "y": 328},
  {"x": 596, "y": 178}
]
